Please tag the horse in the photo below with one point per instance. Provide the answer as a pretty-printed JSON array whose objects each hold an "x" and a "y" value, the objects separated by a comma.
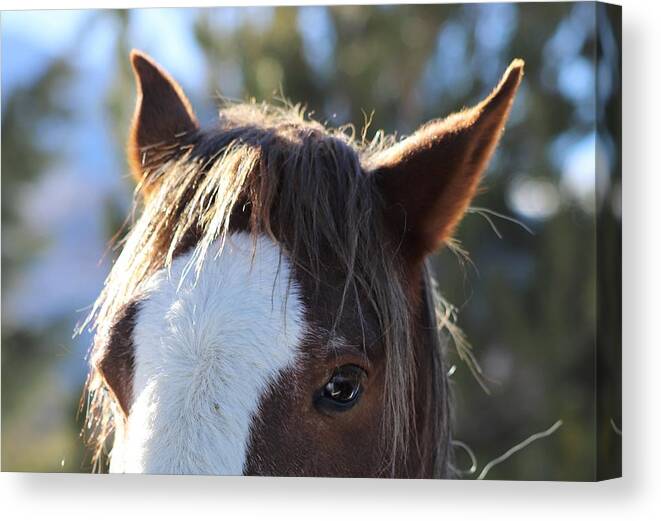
[{"x": 272, "y": 310}]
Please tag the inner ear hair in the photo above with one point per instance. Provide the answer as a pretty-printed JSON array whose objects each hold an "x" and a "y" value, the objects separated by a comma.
[{"x": 428, "y": 180}]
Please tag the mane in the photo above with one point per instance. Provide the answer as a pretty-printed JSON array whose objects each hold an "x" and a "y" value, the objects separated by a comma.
[{"x": 302, "y": 184}]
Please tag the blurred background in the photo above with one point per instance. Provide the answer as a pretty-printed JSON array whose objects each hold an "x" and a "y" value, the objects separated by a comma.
[{"x": 528, "y": 301}]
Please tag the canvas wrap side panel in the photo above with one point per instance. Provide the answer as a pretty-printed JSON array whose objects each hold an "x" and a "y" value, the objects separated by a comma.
[{"x": 608, "y": 187}]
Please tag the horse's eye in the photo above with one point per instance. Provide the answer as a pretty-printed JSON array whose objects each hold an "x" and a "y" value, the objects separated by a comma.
[{"x": 343, "y": 389}]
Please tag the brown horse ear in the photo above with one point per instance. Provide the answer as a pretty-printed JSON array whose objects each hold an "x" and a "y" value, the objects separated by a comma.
[
  {"x": 428, "y": 179},
  {"x": 163, "y": 115}
]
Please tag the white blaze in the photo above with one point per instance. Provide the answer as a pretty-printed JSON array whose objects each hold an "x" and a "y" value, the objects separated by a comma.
[{"x": 205, "y": 353}]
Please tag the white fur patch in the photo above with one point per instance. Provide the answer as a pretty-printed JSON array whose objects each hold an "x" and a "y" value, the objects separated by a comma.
[{"x": 205, "y": 353}]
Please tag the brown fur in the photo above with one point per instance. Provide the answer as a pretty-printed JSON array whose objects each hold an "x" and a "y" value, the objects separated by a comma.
[
  {"x": 291, "y": 438},
  {"x": 118, "y": 362},
  {"x": 163, "y": 115}
]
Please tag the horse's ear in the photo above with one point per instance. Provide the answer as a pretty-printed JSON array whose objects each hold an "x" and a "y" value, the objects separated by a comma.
[
  {"x": 428, "y": 179},
  {"x": 163, "y": 115}
]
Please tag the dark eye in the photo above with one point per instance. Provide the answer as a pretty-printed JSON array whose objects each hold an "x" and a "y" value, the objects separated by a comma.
[{"x": 343, "y": 389}]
